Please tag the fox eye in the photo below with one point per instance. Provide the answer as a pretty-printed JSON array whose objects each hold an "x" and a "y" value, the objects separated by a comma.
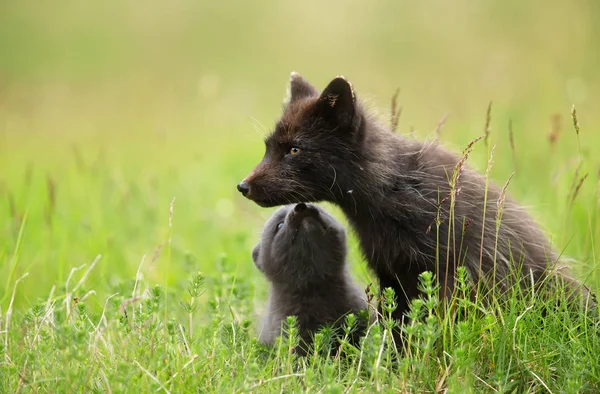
[
  {"x": 293, "y": 150},
  {"x": 279, "y": 226}
]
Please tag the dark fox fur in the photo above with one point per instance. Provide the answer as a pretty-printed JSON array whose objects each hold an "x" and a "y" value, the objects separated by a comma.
[
  {"x": 302, "y": 253},
  {"x": 326, "y": 146}
]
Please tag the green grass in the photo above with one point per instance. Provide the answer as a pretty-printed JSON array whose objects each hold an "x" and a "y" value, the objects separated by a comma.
[
  {"x": 124, "y": 130},
  {"x": 134, "y": 344},
  {"x": 108, "y": 235}
]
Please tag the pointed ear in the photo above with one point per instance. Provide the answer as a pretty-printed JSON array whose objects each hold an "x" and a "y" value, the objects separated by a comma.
[
  {"x": 300, "y": 88},
  {"x": 337, "y": 102},
  {"x": 255, "y": 253}
]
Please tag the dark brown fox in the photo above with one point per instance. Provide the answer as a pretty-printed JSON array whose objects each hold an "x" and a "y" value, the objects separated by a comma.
[
  {"x": 302, "y": 252},
  {"x": 395, "y": 192}
]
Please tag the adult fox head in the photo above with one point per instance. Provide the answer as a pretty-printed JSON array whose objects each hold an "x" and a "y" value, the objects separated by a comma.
[{"x": 313, "y": 148}]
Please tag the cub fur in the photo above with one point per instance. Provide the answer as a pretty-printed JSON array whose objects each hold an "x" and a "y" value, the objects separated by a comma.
[{"x": 302, "y": 252}]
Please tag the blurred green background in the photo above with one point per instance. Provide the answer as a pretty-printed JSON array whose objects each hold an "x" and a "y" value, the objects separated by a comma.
[{"x": 109, "y": 110}]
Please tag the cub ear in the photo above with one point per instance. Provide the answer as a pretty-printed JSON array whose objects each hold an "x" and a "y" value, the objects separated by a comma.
[
  {"x": 337, "y": 102},
  {"x": 299, "y": 88},
  {"x": 255, "y": 253}
]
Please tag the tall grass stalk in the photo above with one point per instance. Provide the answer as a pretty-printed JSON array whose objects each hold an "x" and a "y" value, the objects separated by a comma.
[{"x": 166, "y": 268}]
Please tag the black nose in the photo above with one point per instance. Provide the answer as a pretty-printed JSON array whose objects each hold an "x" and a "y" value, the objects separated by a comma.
[
  {"x": 243, "y": 188},
  {"x": 300, "y": 207}
]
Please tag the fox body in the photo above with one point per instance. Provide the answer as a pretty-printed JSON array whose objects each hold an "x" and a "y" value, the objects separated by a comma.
[
  {"x": 302, "y": 252},
  {"x": 396, "y": 193}
]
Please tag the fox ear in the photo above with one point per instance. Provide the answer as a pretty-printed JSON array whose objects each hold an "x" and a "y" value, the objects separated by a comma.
[
  {"x": 255, "y": 252},
  {"x": 337, "y": 102},
  {"x": 300, "y": 88}
]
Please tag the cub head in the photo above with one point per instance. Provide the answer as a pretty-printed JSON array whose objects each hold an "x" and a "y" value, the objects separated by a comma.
[
  {"x": 301, "y": 245},
  {"x": 308, "y": 153}
]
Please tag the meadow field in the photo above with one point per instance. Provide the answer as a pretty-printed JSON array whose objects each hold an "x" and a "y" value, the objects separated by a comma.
[{"x": 125, "y": 247}]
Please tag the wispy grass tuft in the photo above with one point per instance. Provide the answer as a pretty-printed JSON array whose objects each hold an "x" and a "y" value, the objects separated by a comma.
[
  {"x": 511, "y": 140},
  {"x": 576, "y": 126},
  {"x": 488, "y": 125},
  {"x": 555, "y": 131},
  {"x": 454, "y": 193},
  {"x": 396, "y": 111},
  {"x": 439, "y": 126},
  {"x": 485, "y": 200},
  {"x": 499, "y": 212}
]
